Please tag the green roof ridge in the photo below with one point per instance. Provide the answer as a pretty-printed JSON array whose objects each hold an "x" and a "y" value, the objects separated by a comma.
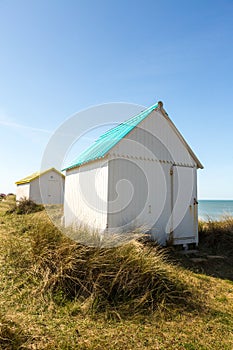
[{"x": 110, "y": 138}]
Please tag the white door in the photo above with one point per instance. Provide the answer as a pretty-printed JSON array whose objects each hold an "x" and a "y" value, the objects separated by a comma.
[
  {"x": 54, "y": 192},
  {"x": 184, "y": 217}
]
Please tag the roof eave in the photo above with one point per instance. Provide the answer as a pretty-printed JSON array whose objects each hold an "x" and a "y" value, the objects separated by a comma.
[
  {"x": 85, "y": 163},
  {"x": 22, "y": 182}
]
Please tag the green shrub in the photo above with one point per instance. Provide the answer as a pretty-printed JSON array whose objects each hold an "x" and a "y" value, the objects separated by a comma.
[{"x": 25, "y": 206}]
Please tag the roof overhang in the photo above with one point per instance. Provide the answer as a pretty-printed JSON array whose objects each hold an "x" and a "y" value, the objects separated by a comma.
[{"x": 192, "y": 154}]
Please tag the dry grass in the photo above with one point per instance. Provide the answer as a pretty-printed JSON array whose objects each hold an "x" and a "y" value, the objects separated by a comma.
[
  {"x": 124, "y": 280},
  {"x": 11, "y": 335},
  {"x": 217, "y": 235},
  {"x": 56, "y": 294}
]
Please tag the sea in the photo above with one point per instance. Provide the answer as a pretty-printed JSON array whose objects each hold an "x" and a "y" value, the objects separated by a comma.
[{"x": 214, "y": 209}]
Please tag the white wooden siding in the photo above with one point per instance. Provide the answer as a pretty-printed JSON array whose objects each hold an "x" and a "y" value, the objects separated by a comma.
[
  {"x": 86, "y": 191},
  {"x": 139, "y": 197},
  {"x": 22, "y": 191}
]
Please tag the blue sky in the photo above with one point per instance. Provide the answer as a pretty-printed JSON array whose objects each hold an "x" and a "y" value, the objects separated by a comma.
[{"x": 59, "y": 57}]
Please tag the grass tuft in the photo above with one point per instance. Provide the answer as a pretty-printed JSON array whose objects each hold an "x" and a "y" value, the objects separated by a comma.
[{"x": 129, "y": 278}]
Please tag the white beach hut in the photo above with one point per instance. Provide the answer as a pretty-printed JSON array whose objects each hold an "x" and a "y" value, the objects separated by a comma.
[
  {"x": 140, "y": 174},
  {"x": 45, "y": 187}
]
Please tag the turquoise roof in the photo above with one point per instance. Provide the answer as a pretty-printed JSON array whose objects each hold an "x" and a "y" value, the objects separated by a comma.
[{"x": 109, "y": 139}]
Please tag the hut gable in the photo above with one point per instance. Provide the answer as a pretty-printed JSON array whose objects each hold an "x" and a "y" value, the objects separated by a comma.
[
  {"x": 154, "y": 120},
  {"x": 156, "y": 138}
]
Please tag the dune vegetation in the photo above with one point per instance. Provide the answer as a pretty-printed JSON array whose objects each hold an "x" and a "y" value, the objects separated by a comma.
[{"x": 59, "y": 294}]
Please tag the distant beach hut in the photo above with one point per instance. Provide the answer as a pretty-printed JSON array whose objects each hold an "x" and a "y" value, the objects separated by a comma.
[
  {"x": 46, "y": 187},
  {"x": 140, "y": 174}
]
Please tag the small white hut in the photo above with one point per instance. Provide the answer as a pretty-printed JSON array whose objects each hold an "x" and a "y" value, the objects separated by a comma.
[
  {"x": 46, "y": 187},
  {"x": 140, "y": 174}
]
